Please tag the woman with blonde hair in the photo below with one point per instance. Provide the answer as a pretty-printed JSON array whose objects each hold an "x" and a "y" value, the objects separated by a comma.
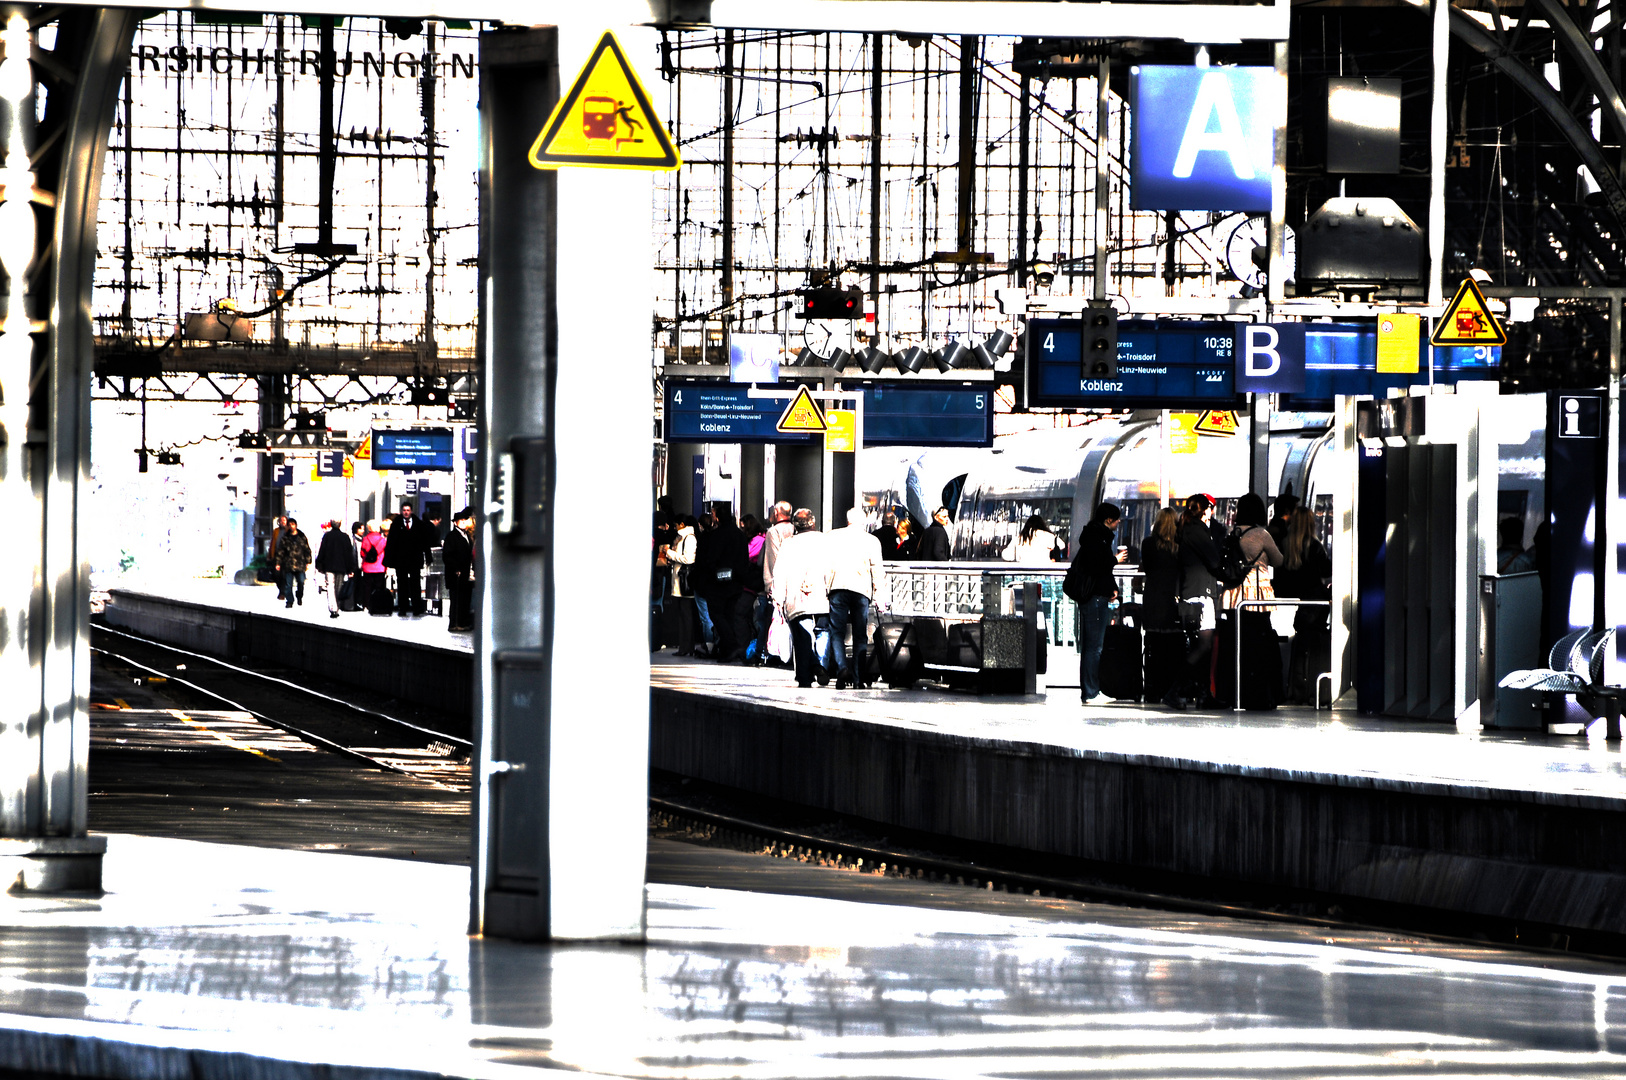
[{"x": 372, "y": 565}]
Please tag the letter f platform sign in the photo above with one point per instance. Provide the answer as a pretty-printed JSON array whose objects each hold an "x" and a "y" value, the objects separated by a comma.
[{"x": 1204, "y": 137}]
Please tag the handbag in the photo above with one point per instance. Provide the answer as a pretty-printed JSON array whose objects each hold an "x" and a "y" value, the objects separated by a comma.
[{"x": 1258, "y": 585}]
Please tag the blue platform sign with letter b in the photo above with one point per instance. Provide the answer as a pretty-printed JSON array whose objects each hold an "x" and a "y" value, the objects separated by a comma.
[
  {"x": 1206, "y": 140},
  {"x": 1270, "y": 358}
]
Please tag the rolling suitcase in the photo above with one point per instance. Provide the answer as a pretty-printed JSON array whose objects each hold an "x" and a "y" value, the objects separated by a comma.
[
  {"x": 1165, "y": 663},
  {"x": 1120, "y": 662},
  {"x": 1261, "y": 662},
  {"x": 347, "y": 595}
]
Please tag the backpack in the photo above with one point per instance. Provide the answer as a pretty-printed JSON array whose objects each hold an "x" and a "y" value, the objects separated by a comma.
[
  {"x": 1078, "y": 583},
  {"x": 1233, "y": 567}
]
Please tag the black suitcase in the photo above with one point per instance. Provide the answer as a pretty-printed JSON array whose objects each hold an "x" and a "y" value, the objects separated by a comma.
[
  {"x": 1311, "y": 655},
  {"x": 382, "y": 602},
  {"x": 893, "y": 657},
  {"x": 347, "y": 595},
  {"x": 1261, "y": 662},
  {"x": 1165, "y": 663},
  {"x": 1120, "y": 662}
]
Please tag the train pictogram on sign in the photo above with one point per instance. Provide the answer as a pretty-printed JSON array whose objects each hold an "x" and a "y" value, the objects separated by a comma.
[
  {"x": 802, "y": 414},
  {"x": 605, "y": 120},
  {"x": 1468, "y": 320}
]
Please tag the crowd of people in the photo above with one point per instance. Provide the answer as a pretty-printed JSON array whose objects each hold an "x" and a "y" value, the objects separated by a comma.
[
  {"x": 1186, "y": 584},
  {"x": 780, "y": 592},
  {"x": 377, "y": 567}
]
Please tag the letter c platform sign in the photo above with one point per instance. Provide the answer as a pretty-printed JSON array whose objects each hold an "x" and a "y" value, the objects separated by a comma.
[
  {"x": 1204, "y": 137},
  {"x": 1270, "y": 358}
]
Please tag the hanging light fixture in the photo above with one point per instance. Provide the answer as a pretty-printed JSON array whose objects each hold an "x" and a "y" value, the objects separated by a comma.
[
  {"x": 872, "y": 360},
  {"x": 910, "y": 360},
  {"x": 953, "y": 355}
]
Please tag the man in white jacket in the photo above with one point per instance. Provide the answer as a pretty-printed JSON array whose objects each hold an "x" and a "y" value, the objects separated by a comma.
[
  {"x": 801, "y": 588},
  {"x": 856, "y": 578}
]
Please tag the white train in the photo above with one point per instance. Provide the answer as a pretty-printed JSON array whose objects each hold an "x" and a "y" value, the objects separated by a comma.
[{"x": 1061, "y": 474}]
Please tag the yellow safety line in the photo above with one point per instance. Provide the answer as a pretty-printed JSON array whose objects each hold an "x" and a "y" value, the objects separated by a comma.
[
  {"x": 122, "y": 703},
  {"x": 227, "y": 739}
]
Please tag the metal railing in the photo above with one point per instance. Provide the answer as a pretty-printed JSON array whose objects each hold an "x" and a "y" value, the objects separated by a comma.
[
  {"x": 1238, "y": 650},
  {"x": 969, "y": 591}
]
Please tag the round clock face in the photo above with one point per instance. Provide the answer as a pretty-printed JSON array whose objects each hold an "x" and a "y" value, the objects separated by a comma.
[{"x": 1249, "y": 234}]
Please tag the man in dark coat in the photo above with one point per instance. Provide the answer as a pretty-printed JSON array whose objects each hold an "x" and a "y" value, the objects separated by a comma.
[
  {"x": 336, "y": 561},
  {"x": 934, "y": 546},
  {"x": 458, "y": 555},
  {"x": 407, "y": 553},
  {"x": 1097, "y": 555},
  {"x": 293, "y": 559}
]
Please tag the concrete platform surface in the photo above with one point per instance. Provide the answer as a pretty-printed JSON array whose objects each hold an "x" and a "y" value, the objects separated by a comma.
[
  {"x": 1295, "y": 744},
  {"x": 206, "y": 960},
  {"x": 262, "y": 600}
]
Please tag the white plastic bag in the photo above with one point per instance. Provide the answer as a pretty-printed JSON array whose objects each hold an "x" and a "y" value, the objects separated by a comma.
[{"x": 779, "y": 637}]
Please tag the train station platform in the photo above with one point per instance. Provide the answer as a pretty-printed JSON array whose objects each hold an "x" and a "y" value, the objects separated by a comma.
[
  {"x": 219, "y": 962},
  {"x": 387, "y": 654},
  {"x": 1528, "y": 829}
]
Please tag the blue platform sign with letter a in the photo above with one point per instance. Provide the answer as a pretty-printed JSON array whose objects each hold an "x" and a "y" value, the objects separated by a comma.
[
  {"x": 1204, "y": 138},
  {"x": 1270, "y": 358}
]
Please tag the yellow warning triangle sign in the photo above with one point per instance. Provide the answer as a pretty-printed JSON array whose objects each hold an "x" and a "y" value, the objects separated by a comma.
[
  {"x": 802, "y": 414},
  {"x": 1468, "y": 320},
  {"x": 605, "y": 120},
  {"x": 1216, "y": 422},
  {"x": 364, "y": 452}
]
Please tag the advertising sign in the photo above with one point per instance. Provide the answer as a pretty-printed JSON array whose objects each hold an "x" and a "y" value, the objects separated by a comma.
[{"x": 1212, "y": 144}]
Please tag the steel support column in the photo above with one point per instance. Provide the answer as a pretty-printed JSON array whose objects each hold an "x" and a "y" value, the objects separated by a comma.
[
  {"x": 45, "y": 389},
  {"x": 563, "y": 738}
]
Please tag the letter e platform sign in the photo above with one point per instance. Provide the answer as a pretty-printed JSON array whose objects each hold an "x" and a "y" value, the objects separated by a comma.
[
  {"x": 1270, "y": 358},
  {"x": 605, "y": 120}
]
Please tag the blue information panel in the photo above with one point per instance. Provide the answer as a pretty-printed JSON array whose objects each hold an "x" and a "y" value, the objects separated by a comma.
[
  {"x": 915, "y": 415},
  {"x": 1159, "y": 365},
  {"x": 413, "y": 450},
  {"x": 894, "y": 415},
  {"x": 722, "y": 413},
  {"x": 1342, "y": 358}
]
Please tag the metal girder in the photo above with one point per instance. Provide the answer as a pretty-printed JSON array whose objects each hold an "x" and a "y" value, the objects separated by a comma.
[
  {"x": 382, "y": 361},
  {"x": 1575, "y": 133},
  {"x": 1586, "y": 58},
  {"x": 1197, "y": 23}
]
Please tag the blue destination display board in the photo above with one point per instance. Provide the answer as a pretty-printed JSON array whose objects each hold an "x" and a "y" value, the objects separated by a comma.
[
  {"x": 722, "y": 413},
  {"x": 1342, "y": 358},
  {"x": 413, "y": 450},
  {"x": 1161, "y": 364},
  {"x": 894, "y": 415},
  {"x": 1169, "y": 364},
  {"x": 914, "y": 415}
]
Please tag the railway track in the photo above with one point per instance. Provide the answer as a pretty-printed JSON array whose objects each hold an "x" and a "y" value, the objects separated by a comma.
[{"x": 365, "y": 734}]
